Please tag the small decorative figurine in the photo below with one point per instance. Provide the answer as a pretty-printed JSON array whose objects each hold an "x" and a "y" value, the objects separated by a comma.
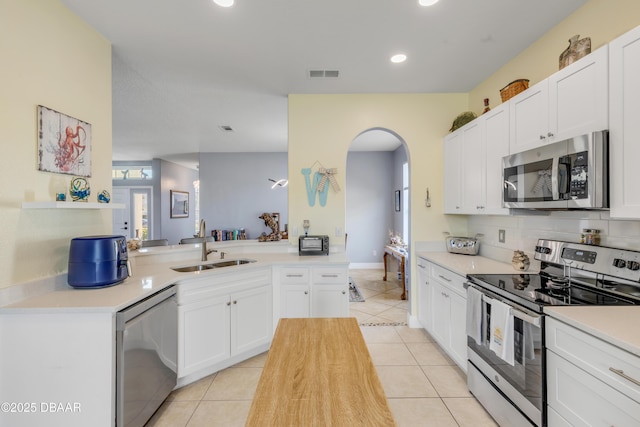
[
  {"x": 79, "y": 190},
  {"x": 486, "y": 106},
  {"x": 520, "y": 261},
  {"x": 271, "y": 223},
  {"x": 104, "y": 197}
]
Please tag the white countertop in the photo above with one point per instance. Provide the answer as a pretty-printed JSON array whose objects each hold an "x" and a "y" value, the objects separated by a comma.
[
  {"x": 616, "y": 325},
  {"x": 609, "y": 323},
  {"x": 470, "y": 264},
  {"x": 149, "y": 278}
]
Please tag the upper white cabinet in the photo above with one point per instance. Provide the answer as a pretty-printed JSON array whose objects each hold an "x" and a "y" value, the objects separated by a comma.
[
  {"x": 624, "y": 69},
  {"x": 571, "y": 102},
  {"x": 473, "y": 164},
  {"x": 495, "y": 146},
  {"x": 452, "y": 170}
]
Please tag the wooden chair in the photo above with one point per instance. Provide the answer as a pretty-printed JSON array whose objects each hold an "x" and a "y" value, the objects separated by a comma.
[{"x": 157, "y": 242}]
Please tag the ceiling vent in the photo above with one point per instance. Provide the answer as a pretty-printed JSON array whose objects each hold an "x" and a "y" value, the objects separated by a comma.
[
  {"x": 226, "y": 128},
  {"x": 324, "y": 74}
]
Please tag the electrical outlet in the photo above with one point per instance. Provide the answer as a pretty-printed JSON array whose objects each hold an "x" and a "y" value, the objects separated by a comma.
[
  {"x": 501, "y": 236},
  {"x": 338, "y": 231},
  {"x": 295, "y": 231},
  {"x": 375, "y": 253}
]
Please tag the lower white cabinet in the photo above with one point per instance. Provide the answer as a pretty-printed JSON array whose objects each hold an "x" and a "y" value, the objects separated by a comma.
[
  {"x": 425, "y": 315},
  {"x": 589, "y": 381},
  {"x": 442, "y": 309},
  {"x": 222, "y": 317},
  {"x": 312, "y": 291}
]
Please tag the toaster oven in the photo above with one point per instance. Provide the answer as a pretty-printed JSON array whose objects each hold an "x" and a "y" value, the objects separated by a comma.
[{"x": 313, "y": 245}]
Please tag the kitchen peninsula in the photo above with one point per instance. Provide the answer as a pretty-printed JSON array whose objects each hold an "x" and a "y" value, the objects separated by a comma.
[{"x": 63, "y": 339}]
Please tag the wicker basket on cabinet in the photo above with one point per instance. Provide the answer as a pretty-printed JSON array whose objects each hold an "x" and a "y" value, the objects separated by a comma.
[{"x": 513, "y": 88}]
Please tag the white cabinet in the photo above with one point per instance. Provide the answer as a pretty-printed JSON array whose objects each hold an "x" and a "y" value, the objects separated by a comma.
[
  {"x": 452, "y": 172},
  {"x": 625, "y": 126},
  {"x": 295, "y": 291},
  {"x": 312, "y": 291},
  {"x": 571, "y": 102},
  {"x": 496, "y": 146},
  {"x": 204, "y": 333},
  {"x": 329, "y": 292},
  {"x": 589, "y": 381},
  {"x": 473, "y": 164},
  {"x": 221, "y": 317},
  {"x": 425, "y": 315},
  {"x": 443, "y": 309}
]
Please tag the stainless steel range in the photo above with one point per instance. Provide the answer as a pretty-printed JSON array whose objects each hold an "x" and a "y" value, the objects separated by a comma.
[{"x": 511, "y": 385}]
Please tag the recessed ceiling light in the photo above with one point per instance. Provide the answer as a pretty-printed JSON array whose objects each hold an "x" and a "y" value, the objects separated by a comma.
[
  {"x": 398, "y": 58},
  {"x": 224, "y": 3},
  {"x": 427, "y": 2}
]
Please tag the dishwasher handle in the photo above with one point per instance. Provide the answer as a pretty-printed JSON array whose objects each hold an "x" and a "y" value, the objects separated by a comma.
[{"x": 133, "y": 311}]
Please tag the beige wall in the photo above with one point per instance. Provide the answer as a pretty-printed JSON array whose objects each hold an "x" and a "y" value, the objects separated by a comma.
[
  {"x": 601, "y": 20},
  {"x": 321, "y": 128},
  {"x": 49, "y": 57}
]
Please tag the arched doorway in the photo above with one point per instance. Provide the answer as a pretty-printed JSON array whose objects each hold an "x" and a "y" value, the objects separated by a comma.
[{"x": 377, "y": 203}]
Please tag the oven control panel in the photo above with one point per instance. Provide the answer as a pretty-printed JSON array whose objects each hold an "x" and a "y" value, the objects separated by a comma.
[
  {"x": 579, "y": 255},
  {"x": 621, "y": 263}
]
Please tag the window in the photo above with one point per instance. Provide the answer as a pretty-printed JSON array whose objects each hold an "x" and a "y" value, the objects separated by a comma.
[{"x": 138, "y": 172}]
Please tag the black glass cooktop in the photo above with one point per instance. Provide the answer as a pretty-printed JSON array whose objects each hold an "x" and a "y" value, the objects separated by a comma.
[{"x": 542, "y": 290}]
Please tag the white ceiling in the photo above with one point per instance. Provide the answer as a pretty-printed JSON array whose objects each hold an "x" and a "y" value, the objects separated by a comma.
[{"x": 182, "y": 69}]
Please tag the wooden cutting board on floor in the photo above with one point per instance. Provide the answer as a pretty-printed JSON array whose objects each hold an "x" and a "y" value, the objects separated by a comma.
[{"x": 319, "y": 373}]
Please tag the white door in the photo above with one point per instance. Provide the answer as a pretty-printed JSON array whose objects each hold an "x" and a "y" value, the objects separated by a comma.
[{"x": 122, "y": 217}]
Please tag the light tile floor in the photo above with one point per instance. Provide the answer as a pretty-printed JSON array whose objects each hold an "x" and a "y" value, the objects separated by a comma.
[{"x": 423, "y": 385}]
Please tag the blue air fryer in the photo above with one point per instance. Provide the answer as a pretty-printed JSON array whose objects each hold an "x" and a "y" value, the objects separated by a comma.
[{"x": 98, "y": 261}]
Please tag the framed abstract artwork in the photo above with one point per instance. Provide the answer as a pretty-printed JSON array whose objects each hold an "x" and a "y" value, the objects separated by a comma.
[
  {"x": 179, "y": 204},
  {"x": 397, "y": 200},
  {"x": 64, "y": 143}
]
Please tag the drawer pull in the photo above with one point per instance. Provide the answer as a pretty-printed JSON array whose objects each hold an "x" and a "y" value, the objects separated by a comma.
[
  {"x": 625, "y": 376},
  {"x": 329, "y": 275},
  {"x": 294, "y": 275},
  {"x": 444, "y": 278}
]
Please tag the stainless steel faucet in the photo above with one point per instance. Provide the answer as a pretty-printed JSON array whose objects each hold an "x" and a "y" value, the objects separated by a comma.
[{"x": 205, "y": 252}]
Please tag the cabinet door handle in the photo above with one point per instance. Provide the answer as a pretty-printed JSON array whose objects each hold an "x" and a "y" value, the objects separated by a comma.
[
  {"x": 235, "y": 302},
  {"x": 444, "y": 278},
  {"x": 329, "y": 275},
  {"x": 228, "y": 303},
  {"x": 542, "y": 137},
  {"x": 549, "y": 134},
  {"x": 625, "y": 376},
  {"x": 306, "y": 292},
  {"x": 294, "y": 275}
]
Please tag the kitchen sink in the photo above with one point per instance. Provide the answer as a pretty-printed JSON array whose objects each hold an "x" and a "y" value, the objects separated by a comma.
[{"x": 210, "y": 266}]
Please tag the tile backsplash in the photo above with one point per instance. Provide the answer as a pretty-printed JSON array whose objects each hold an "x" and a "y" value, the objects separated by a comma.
[{"x": 524, "y": 228}]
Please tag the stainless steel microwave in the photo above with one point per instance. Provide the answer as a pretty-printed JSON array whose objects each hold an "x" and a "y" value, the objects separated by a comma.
[
  {"x": 569, "y": 174},
  {"x": 313, "y": 245}
]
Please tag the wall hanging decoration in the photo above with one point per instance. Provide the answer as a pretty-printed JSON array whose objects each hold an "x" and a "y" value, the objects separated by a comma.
[
  {"x": 179, "y": 204},
  {"x": 64, "y": 143},
  {"x": 317, "y": 182},
  {"x": 397, "y": 200},
  {"x": 577, "y": 49},
  {"x": 79, "y": 189}
]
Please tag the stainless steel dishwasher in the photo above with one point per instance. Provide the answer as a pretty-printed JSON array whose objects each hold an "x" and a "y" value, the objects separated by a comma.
[{"x": 146, "y": 355}]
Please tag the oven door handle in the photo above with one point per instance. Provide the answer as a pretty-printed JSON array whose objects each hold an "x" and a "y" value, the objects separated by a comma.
[{"x": 525, "y": 317}]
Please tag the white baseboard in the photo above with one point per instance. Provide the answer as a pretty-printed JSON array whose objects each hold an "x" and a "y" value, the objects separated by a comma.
[
  {"x": 412, "y": 321},
  {"x": 366, "y": 265}
]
